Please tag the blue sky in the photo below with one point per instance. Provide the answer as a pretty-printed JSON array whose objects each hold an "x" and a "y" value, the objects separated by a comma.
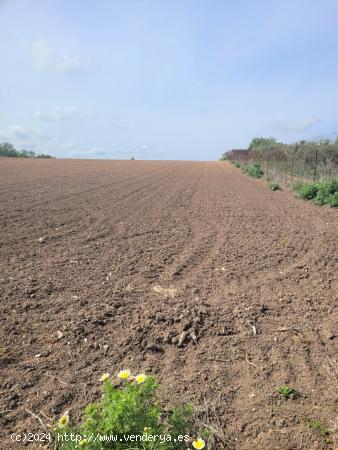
[{"x": 178, "y": 79}]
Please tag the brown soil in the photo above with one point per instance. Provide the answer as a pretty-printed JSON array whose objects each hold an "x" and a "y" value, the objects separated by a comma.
[{"x": 105, "y": 263}]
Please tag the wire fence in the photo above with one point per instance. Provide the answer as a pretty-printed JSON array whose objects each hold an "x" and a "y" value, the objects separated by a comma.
[{"x": 292, "y": 163}]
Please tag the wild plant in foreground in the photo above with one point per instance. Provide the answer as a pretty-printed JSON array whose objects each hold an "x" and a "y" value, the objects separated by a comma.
[
  {"x": 129, "y": 416},
  {"x": 287, "y": 392}
]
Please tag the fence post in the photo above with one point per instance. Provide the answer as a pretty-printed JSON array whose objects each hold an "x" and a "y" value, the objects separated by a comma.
[
  {"x": 315, "y": 169},
  {"x": 292, "y": 164}
]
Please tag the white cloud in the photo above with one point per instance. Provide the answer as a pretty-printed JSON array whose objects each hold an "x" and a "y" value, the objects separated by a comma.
[
  {"x": 145, "y": 150},
  {"x": 21, "y": 134},
  {"x": 45, "y": 58},
  {"x": 63, "y": 114},
  {"x": 97, "y": 151},
  {"x": 14, "y": 132},
  {"x": 296, "y": 125},
  {"x": 90, "y": 153},
  {"x": 67, "y": 146}
]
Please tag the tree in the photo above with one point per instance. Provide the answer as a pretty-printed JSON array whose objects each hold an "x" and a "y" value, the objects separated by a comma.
[
  {"x": 23, "y": 153},
  {"x": 260, "y": 143},
  {"x": 7, "y": 149},
  {"x": 43, "y": 155}
]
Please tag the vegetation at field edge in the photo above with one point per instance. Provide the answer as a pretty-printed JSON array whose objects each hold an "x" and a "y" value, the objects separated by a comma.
[
  {"x": 322, "y": 193},
  {"x": 7, "y": 149}
]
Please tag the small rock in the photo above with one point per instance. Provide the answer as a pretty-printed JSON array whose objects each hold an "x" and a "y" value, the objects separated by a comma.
[
  {"x": 42, "y": 240},
  {"x": 59, "y": 334}
]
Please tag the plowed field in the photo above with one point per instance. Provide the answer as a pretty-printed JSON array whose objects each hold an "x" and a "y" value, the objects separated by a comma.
[{"x": 190, "y": 271}]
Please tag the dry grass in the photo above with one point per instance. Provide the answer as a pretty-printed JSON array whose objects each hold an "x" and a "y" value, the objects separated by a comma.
[{"x": 207, "y": 418}]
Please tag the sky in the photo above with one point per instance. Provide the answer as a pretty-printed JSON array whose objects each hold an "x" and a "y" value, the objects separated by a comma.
[{"x": 165, "y": 79}]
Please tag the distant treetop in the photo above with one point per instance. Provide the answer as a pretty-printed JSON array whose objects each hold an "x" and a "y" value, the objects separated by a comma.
[
  {"x": 7, "y": 149},
  {"x": 261, "y": 142}
]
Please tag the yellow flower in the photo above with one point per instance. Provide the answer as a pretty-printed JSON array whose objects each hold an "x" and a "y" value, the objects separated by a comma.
[
  {"x": 198, "y": 444},
  {"x": 124, "y": 374},
  {"x": 141, "y": 378},
  {"x": 83, "y": 442},
  {"x": 64, "y": 419},
  {"x": 105, "y": 377}
]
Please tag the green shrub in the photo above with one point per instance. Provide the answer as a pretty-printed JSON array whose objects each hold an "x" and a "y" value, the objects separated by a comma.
[
  {"x": 44, "y": 155},
  {"x": 274, "y": 186},
  {"x": 323, "y": 193},
  {"x": 307, "y": 191},
  {"x": 129, "y": 409},
  {"x": 254, "y": 170},
  {"x": 325, "y": 190},
  {"x": 333, "y": 200},
  {"x": 237, "y": 164}
]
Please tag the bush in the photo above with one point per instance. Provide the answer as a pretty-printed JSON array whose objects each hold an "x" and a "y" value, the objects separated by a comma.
[
  {"x": 274, "y": 186},
  {"x": 333, "y": 200},
  {"x": 254, "y": 171},
  {"x": 129, "y": 409},
  {"x": 325, "y": 190},
  {"x": 307, "y": 191},
  {"x": 323, "y": 193},
  {"x": 44, "y": 155}
]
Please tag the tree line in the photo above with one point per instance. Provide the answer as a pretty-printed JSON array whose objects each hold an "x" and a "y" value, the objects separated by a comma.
[
  {"x": 7, "y": 149},
  {"x": 319, "y": 158},
  {"x": 309, "y": 151}
]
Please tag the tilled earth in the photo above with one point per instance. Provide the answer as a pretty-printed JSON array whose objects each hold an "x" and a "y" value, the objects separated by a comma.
[{"x": 190, "y": 271}]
